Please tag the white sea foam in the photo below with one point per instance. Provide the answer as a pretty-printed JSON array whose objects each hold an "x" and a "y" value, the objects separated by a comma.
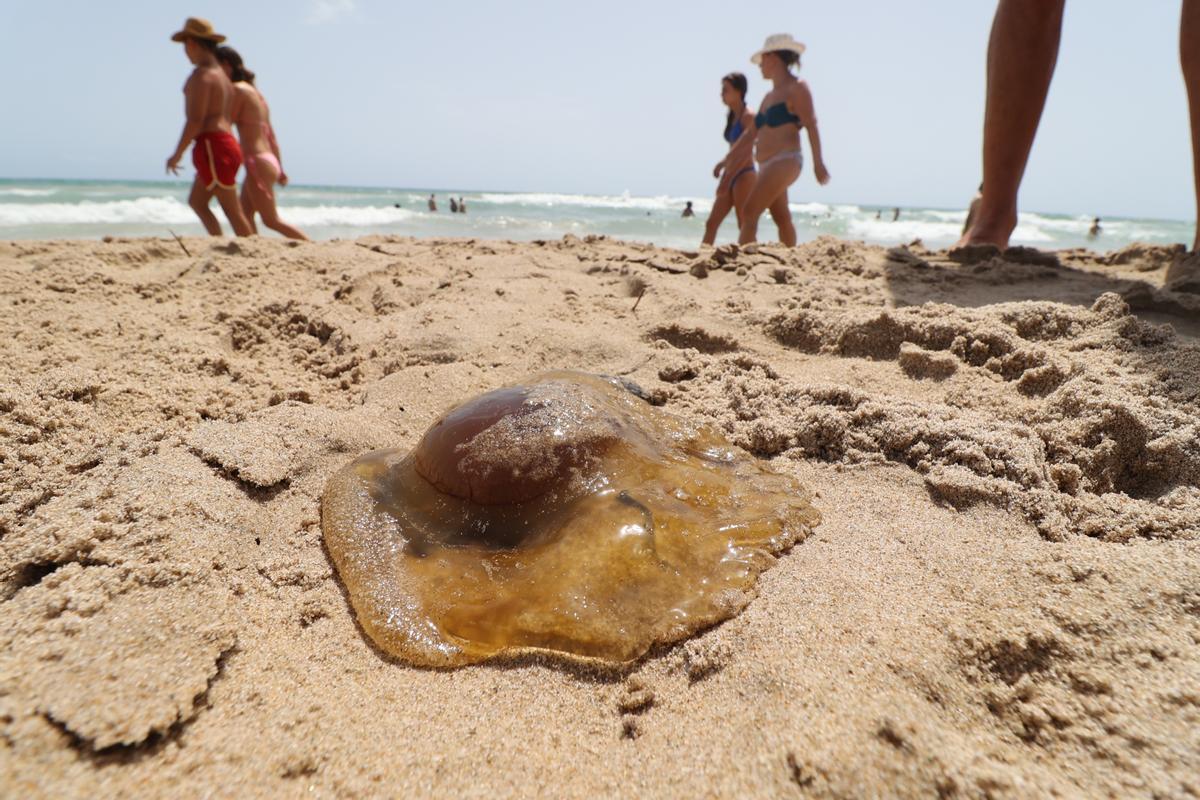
[
  {"x": 33, "y": 209},
  {"x": 902, "y": 230},
  {"x": 170, "y": 211},
  {"x": 20, "y": 191},
  {"x": 158, "y": 210},
  {"x": 345, "y": 216},
  {"x": 549, "y": 200}
]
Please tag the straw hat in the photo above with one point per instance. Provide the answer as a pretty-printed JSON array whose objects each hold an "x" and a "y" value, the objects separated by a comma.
[
  {"x": 777, "y": 41},
  {"x": 196, "y": 28}
]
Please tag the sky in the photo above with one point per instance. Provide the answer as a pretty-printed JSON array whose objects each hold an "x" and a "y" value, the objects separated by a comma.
[{"x": 603, "y": 98}]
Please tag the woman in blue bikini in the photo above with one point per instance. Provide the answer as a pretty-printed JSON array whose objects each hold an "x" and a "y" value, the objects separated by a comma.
[
  {"x": 786, "y": 109},
  {"x": 736, "y": 169}
]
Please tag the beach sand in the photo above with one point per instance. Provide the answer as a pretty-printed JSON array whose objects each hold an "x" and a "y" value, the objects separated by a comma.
[{"x": 1002, "y": 599}]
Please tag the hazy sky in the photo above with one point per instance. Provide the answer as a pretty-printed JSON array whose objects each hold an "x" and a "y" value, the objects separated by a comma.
[{"x": 602, "y": 98}]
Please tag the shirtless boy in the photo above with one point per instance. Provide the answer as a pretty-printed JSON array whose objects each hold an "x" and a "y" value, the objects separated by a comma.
[{"x": 208, "y": 95}]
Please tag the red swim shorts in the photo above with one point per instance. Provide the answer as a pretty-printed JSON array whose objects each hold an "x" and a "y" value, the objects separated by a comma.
[{"x": 217, "y": 157}]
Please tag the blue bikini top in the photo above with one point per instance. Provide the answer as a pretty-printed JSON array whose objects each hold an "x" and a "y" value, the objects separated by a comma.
[
  {"x": 776, "y": 116},
  {"x": 734, "y": 132}
]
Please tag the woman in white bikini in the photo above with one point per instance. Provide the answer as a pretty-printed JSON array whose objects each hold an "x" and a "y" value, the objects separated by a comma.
[
  {"x": 260, "y": 151},
  {"x": 786, "y": 109}
]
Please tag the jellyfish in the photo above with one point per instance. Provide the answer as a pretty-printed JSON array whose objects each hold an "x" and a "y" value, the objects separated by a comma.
[{"x": 564, "y": 515}]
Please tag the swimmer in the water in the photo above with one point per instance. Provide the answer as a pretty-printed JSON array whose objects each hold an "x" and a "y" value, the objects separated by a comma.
[
  {"x": 786, "y": 109},
  {"x": 736, "y": 170},
  {"x": 1095, "y": 230},
  {"x": 453, "y": 205},
  {"x": 688, "y": 211},
  {"x": 432, "y": 203}
]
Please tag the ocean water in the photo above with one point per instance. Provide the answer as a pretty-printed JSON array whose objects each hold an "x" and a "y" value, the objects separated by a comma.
[{"x": 92, "y": 209}]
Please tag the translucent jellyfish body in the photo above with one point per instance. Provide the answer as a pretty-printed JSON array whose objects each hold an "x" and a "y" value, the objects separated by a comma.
[{"x": 563, "y": 515}]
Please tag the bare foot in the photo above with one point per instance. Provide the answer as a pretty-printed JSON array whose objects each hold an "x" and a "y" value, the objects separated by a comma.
[{"x": 990, "y": 229}]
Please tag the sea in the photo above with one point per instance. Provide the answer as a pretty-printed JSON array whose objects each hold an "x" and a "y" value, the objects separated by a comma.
[{"x": 65, "y": 209}]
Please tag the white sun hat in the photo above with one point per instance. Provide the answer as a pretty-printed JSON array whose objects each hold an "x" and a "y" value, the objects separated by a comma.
[{"x": 777, "y": 41}]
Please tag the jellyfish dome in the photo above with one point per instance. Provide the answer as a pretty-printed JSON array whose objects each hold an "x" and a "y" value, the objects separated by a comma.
[{"x": 564, "y": 515}]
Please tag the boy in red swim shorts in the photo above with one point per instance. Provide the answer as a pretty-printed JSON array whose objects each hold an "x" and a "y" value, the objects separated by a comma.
[
  {"x": 208, "y": 95},
  {"x": 217, "y": 156}
]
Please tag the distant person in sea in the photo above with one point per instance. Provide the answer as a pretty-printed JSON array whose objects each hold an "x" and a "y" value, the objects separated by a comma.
[
  {"x": 736, "y": 169},
  {"x": 1095, "y": 230},
  {"x": 973, "y": 210},
  {"x": 688, "y": 211},
  {"x": 432, "y": 203},
  {"x": 453, "y": 206},
  {"x": 462, "y": 206},
  {"x": 264, "y": 164},
  {"x": 879, "y": 214},
  {"x": 895, "y": 214},
  {"x": 208, "y": 96},
  {"x": 1022, "y": 53},
  {"x": 786, "y": 109}
]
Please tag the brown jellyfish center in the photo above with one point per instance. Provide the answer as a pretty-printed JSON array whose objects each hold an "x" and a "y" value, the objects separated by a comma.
[
  {"x": 564, "y": 515},
  {"x": 514, "y": 444}
]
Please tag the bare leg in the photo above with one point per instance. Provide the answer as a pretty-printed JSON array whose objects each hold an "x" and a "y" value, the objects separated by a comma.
[
  {"x": 1022, "y": 53},
  {"x": 721, "y": 206},
  {"x": 1189, "y": 57},
  {"x": 248, "y": 206},
  {"x": 264, "y": 201},
  {"x": 772, "y": 182},
  {"x": 741, "y": 193},
  {"x": 198, "y": 200},
  {"x": 783, "y": 219},
  {"x": 233, "y": 210}
]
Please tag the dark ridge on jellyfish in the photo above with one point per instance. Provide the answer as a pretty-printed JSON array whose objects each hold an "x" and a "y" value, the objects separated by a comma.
[{"x": 561, "y": 515}]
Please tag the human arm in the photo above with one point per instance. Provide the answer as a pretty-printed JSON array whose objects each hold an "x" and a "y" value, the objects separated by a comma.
[
  {"x": 743, "y": 147},
  {"x": 195, "y": 94},
  {"x": 802, "y": 105}
]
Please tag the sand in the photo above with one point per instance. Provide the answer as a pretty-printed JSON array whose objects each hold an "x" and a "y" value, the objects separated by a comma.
[{"x": 1002, "y": 599}]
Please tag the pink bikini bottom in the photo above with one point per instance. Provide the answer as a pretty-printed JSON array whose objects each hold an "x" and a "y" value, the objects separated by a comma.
[{"x": 252, "y": 166}]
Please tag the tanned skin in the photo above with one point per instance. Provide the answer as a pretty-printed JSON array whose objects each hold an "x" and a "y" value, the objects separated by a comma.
[
  {"x": 208, "y": 97},
  {"x": 1022, "y": 54},
  {"x": 770, "y": 191}
]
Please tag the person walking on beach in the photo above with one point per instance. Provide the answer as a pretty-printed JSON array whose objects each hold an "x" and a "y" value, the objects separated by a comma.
[
  {"x": 208, "y": 95},
  {"x": 1022, "y": 52},
  {"x": 786, "y": 109},
  {"x": 736, "y": 169},
  {"x": 432, "y": 203},
  {"x": 264, "y": 164}
]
